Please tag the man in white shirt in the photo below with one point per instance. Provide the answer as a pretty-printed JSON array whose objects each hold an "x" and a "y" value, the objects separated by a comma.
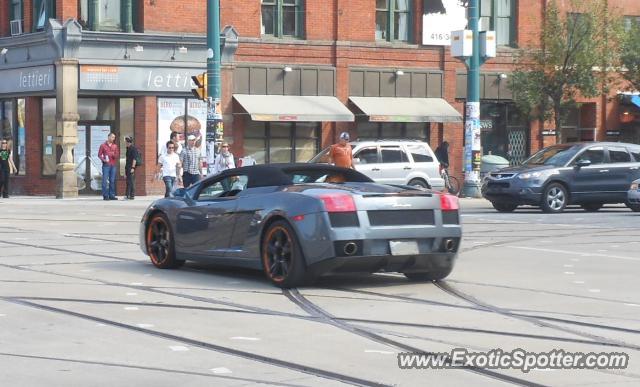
[
  {"x": 174, "y": 139},
  {"x": 170, "y": 168}
]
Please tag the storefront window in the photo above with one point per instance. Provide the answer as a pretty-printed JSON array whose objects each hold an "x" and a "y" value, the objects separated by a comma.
[
  {"x": 126, "y": 129},
  {"x": 48, "y": 137},
  {"x": 503, "y": 131},
  {"x": 393, "y": 130},
  {"x": 12, "y": 118},
  {"x": 281, "y": 142}
]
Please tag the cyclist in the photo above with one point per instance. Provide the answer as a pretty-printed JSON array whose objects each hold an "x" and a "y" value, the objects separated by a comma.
[{"x": 442, "y": 153}]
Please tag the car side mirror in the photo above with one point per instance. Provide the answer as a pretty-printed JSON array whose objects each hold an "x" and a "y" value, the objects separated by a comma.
[
  {"x": 356, "y": 160},
  {"x": 583, "y": 163},
  {"x": 179, "y": 193}
]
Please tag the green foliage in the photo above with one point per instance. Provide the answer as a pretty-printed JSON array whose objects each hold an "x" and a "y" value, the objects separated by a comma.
[
  {"x": 577, "y": 52},
  {"x": 630, "y": 56}
]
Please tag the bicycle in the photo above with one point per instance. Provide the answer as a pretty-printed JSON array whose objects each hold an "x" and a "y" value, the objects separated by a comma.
[{"x": 451, "y": 183}]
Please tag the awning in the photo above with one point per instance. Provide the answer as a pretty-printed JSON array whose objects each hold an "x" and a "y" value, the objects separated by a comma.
[
  {"x": 294, "y": 108},
  {"x": 390, "y": 109}
]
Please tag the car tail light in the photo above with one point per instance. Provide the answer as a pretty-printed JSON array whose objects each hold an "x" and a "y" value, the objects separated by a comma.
[
  {"x": 338, "y": 202},
  {"x": 448, "y": 202}
]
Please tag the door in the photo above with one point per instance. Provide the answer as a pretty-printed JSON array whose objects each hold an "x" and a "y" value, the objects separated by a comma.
[
  {"x": 204, "y": 228},
  {"x": 88, "y": 166},
  {"x": 367, "y": 161},
  {"x": 395, "y": 165},
  {"x": 588, "y": 183},
  {"x": 621, "y": 172}
]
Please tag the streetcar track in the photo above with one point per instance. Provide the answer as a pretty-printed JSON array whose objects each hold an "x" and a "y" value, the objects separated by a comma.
[
  {"x": 314, "y": 310},
  {"x": 449, "y": 289},
  {"x": 482, "y": 309},
  {"x": 313, "y": 318},
  {"x": 324, "y": 374},
  {"x": 144, "y": 368}
]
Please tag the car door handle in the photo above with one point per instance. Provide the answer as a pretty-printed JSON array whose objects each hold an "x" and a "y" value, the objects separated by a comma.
[
  {"x": 604, "y": 170},
  {"x": 406, "y": 168},
  {"x": 375, "y": 169}
]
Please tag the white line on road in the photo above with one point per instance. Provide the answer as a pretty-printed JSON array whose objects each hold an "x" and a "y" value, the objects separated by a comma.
[
  {"x": 2, "y": 315},
  {"x": 574, "y": 253},
  {"x": 632, "y": 305},
  {"x": 178, "y": 348},
  {"x": 244, "y": 338},
  {"x": 569, "y": 273},
  {"x": 132, "y": 294},
  {"x": 594, "y": 290},
  {"x": 379, "y": 351},
  {"x": 131, "y": 308},
  {"x": 136, "y": 284},
  {"x": 145, "y": 325},
  {"x": 221, "y": 370}
]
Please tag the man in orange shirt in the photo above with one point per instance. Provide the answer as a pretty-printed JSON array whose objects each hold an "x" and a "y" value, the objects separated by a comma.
[{"x": 340, "y": 153}]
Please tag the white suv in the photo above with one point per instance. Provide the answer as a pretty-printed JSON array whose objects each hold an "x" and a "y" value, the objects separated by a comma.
[{"x": 394, "y": 162}]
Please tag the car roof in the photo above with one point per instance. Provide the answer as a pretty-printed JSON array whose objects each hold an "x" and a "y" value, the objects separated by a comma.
[
  {"x": 266, "y": 175},
  {"x": 584, "y": 144}
]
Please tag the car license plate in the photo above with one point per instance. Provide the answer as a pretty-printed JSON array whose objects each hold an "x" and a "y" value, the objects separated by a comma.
[{"x": 404, "y": 247}]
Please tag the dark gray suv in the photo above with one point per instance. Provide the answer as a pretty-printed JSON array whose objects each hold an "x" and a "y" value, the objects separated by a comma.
[{"x": 589, "y": 174}]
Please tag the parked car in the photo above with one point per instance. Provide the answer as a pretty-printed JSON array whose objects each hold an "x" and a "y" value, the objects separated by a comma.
[
  {"x": 589, "y": 174},
  {"x": 298, "y": 221},
  {"x": 404, "y": 162},
  {"x": 633, "y": 196}
]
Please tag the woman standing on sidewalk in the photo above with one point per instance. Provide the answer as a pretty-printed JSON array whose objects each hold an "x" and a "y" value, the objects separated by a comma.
[{"x": 7, "y": 167}]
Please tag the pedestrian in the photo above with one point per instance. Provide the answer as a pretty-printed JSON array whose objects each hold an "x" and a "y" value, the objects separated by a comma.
[
  {"x": 109, "y": 154},
  {"x": 190, "y": 160},
  {"x": 132, "y": 157},
  {"x": 340, "y": 153},
  {"x": 169, "y": 169},
  {"x": 224, "y": 159},
  {"x": 442, "y": 154},
  {"x": 7, "y": 167},
  {"x": 176, "y": 141}
]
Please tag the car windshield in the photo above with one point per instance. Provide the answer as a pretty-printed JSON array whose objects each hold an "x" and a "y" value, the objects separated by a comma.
[{"x": 557, "y": 155}]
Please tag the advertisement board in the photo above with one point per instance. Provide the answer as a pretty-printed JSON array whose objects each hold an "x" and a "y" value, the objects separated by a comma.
[{"x": 440, "y": 18}]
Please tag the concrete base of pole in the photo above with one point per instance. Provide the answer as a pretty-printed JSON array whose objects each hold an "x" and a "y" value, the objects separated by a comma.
[{"x": 471, "y": 189}]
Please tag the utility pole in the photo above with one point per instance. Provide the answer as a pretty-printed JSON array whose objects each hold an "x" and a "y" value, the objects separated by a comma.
[
  {"x": 215, "y": 126},
  {"x": 473, "y": 48},
  {"x": 472, "y": 147}
]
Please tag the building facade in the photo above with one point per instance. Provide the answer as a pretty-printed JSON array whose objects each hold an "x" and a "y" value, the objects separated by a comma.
[{"x": 295, "y": 74}]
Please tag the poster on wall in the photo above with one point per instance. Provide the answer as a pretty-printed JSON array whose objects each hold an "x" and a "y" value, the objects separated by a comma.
[
  {"x": 197, "y": 116},
  {"x": 440, "y": 18},
  {"x": 171, "y": 117}
]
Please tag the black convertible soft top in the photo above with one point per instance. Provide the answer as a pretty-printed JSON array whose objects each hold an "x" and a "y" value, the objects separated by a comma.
[{"x": 267, "y": 175}]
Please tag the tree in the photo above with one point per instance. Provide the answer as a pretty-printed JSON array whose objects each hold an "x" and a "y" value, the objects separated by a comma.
[
  {"x": 577, "y": 53},
  {"x": 630, "y": 56}
]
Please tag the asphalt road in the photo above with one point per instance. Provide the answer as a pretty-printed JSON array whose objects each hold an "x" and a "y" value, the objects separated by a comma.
[{"x": 80, "y": 305}]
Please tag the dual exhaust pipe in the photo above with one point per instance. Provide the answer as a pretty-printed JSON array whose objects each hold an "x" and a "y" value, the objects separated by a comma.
[{"x": 351, "y": 248}]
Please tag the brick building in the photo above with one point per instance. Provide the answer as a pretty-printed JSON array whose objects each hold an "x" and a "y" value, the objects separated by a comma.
[{"x": 295, "y": 74}]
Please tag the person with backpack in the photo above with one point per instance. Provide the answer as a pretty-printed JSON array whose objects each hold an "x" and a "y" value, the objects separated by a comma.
[{"x": 133, "y": 160}]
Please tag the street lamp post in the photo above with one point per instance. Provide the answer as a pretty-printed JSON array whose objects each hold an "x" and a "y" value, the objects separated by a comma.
[
  {"x": 215, "y": 126},
  {"x": 473, "y": 49}
]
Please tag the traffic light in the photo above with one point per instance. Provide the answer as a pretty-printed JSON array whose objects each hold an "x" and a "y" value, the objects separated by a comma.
[{"x": 200, "y": 91}]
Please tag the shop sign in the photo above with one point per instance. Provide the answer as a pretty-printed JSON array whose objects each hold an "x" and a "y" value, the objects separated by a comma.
[
  {"x": 548, "y": 132},
  {"x": 136, "y": 78},
  {"x": 440, "y": 18},
  {"x": 28, "y": 79},
  {"x": 486, "y": 124},
  {"x": 613, "y": 132}
]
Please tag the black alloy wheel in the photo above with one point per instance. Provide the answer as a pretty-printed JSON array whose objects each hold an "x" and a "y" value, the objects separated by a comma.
[
  {"x": 160, "y": 243},
  {"x": 282, "y": 258},
  {"x": 554, "y": 198},
  {"x": 504, "y": 207},
  {"x": 592, "y": 207},
  {"x": 435, "y": 275}
]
